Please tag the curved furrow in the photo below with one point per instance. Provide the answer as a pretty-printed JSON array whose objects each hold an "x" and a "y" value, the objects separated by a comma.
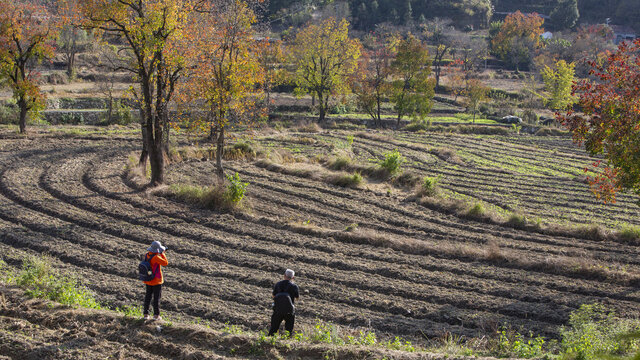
[
  {"x": 550, "y": 244},
  {"x": 384, "y": 290}
]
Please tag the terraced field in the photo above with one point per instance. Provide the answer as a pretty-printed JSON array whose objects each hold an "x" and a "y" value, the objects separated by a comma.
[{"x": 69, "y": 197}]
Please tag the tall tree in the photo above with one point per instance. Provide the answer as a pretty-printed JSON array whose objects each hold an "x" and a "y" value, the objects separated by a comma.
[
  {"x": 371, "y": 81},
  {"x": 518, "y": 37},
  {"x": 270, "y": 54},
  {"x": 325, "y": 57},
  {"x": 476, "y": 93},
  {"x": 558, "y": 82},
  {"x": 154, "y": 33},
  {"x": 71, "y": 41},
  {"x": 27, "y": 36},
  {"x": 223, "y": 73},
  {"x": 441, "y": 35},
  {"x": 608, "y": 125},
  {"x": 565, "y": 15},
  {"x": 412, "y": 90}
]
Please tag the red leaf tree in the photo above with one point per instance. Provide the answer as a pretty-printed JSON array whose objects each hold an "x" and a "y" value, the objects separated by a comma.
[{"x": 609, "y": 125}]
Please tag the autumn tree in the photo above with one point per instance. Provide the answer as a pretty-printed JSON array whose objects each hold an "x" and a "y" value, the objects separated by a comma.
[
  {"x": 518, "y": 38},
  {"x": 476, "y": 93},
  {"x": 371, "y": 81},
  {"x": 325, "y": 57},
  {"x": 270, "y": 55},
  {"x": 27, "y": 35},
  {"x": 154, "y": 33},
  {"x": 224, "y": 73},
  {"x": 558, "y": 82},
  {"x": 412, "y": 90},
  {"x": 608, "y": 125},
  {"x": 591, "y": 44},
  {"x": 71, "y": 41}
]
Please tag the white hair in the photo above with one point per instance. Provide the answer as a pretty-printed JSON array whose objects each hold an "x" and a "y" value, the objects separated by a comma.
[{"x": 289, "y": 273}]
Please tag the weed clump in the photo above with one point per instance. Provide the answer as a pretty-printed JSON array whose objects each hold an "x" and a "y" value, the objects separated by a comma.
[
  {"x": 40, "y": 280},
  {"x": 429, "y": 186},
  {"x": 339, "y": 163},
  {"x": 477, "y": 210},
  {"x": 629, "y": 234},
  {"x": 346, "y": 180},
  {"x": 218, "y": 197}
]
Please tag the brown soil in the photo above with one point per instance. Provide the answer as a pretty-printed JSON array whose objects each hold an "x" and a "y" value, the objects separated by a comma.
[{"x": 69, "y": 197}]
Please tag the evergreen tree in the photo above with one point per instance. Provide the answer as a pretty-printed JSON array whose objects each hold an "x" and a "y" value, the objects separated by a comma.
[
  {"x": 408, "y": 13},
  {"x": 362, "y": 16},
  {"x": 393, "y": 16},
  {"x": 422, "y": 19},
  {"x": 565, "y": 15}
]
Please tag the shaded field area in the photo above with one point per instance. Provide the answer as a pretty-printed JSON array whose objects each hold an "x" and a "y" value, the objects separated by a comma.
[{"x": 70, "y": 197}]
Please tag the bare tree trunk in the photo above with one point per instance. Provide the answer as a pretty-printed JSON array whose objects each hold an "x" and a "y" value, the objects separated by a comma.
[
  {"x": 144, "y": 155},
  {"x": 156, "y": 151},
  {"x": 219, "y": 154},
  {"x": 166, "y": 130},
  {"x": 23, "y": 116}
]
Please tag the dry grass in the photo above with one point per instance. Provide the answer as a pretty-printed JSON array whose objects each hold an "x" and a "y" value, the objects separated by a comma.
[
  {"x": 209, "y": 197},
  {"x": 492, "y": 252},
  {"x": 447, "y": 154},
  {"x": 346, "y": 180},
  {"x": 310, "y": 128}
]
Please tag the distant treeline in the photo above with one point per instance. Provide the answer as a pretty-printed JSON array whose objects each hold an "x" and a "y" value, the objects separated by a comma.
[{"x": 469, "y": 13}]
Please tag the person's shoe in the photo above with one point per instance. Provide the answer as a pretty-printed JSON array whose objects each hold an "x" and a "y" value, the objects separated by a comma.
[
  {"x": 157, "y": 318},
  {"x": 146, "y": 317}
]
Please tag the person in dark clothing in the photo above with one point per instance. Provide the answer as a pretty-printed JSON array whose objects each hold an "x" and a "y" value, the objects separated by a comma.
[{"x": 285, "y": 293}]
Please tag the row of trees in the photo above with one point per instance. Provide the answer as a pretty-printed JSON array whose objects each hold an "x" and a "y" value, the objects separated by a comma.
[{"x": 203, "y": 59}]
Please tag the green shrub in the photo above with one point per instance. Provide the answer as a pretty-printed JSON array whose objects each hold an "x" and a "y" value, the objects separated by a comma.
[
  {"x": 40, "y": 280},
  {"x": 392, "y": 162},
  {"x": 429, "y": 186},
  {"x": 236, "y": 189},
  {"x": 594, "y": 332},
  {"x": 9, "y": 113},
  {"x": 122, "y": 113}
]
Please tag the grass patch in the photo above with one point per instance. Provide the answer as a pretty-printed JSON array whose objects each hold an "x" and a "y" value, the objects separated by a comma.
[
  {"x": 39, "y": 280},
  {"x": 596, "y": 333},
  {"x": 339, "y": 163},
  {"x": 218, "y": 197},
  {"x": 351, "y": 181}
]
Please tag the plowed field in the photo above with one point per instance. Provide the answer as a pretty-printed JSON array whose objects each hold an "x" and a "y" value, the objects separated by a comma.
[{"x": 69, "y": 197}]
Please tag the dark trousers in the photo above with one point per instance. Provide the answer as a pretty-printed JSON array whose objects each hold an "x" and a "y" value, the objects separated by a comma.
[
  {"x": 276, "y": 320},
  {"x": 155, "y": 292}
]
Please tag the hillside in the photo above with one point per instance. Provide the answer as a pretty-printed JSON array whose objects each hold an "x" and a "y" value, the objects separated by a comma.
[{"x": 38, "y": 329}]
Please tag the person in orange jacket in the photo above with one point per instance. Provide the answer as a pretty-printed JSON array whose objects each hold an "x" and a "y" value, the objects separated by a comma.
[{"x": 154, "y": 287}]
